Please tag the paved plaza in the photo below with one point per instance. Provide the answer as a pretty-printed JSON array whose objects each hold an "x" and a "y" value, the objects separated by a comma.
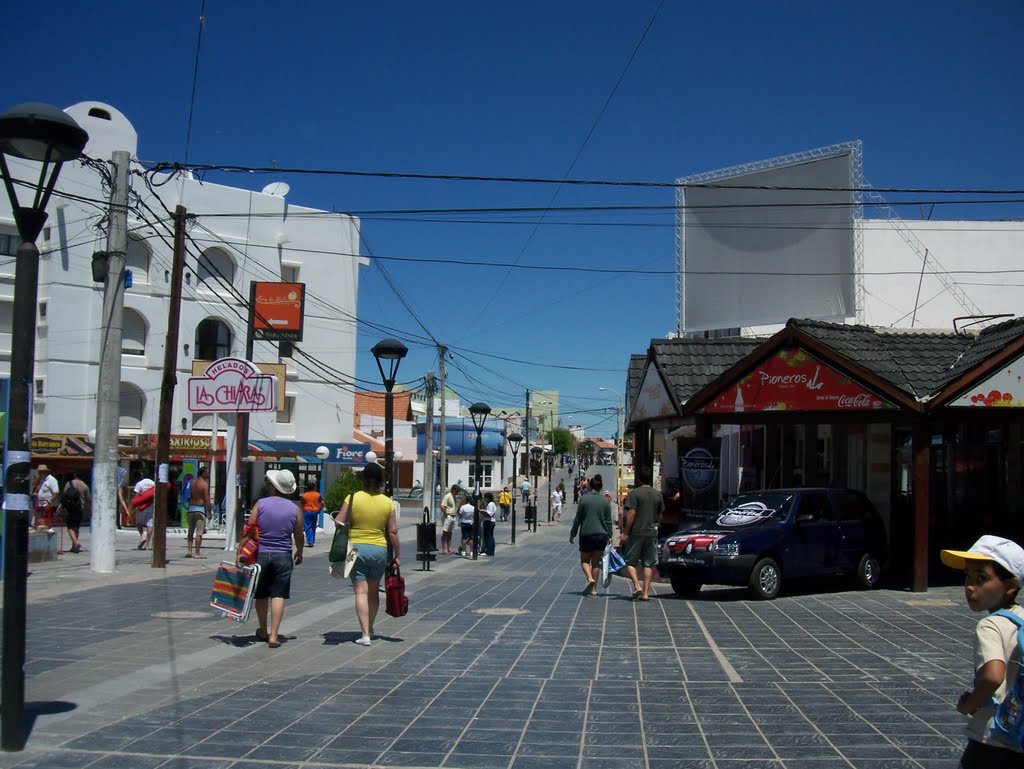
[{"x": 500, "y": 664}]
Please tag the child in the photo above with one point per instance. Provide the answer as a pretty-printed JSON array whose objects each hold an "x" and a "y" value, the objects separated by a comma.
[{"x": 993, "y": 574}]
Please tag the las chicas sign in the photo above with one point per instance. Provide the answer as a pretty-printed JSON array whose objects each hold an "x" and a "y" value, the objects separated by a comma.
[
  {"x": 794, "y": 380},
  {"x": 232, "y": 385}
]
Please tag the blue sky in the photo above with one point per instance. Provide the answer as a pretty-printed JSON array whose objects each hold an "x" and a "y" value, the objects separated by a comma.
[{"x": 512, "y": 89}]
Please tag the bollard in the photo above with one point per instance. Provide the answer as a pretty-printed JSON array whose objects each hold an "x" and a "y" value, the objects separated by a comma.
[{"x": 426, "y": 540}]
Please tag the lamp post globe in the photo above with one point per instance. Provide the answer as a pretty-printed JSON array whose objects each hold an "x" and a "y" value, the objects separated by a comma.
[
  {"x": 371, "y": 457},
  {"x": 388, "y": 353},
  {"x": 46, "y": 135},
  {"x": 478, "y": 412},
  {"x": 322, "y": 452}
]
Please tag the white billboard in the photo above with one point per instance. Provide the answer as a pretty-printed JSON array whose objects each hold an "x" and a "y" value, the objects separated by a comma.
[{"x": 763, "y": 243}]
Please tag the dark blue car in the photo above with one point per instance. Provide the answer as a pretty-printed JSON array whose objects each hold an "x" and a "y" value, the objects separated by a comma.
[{"x": 763, "y": 537}]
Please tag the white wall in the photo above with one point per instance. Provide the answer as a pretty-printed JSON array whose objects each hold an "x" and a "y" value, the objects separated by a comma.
[{"x": 264, "y": 235}]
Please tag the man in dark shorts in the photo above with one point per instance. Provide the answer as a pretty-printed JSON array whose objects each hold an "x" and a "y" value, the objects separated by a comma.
[
  {"x": 644, "y": 506},
  {"x": 593, "y": 523}
]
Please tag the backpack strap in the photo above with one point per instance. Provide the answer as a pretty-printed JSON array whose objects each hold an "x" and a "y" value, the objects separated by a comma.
[{"x": 1012, "y": 616}]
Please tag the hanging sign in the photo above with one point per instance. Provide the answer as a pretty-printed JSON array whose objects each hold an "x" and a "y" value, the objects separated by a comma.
[
  {"x": 794, "y": 380},
  {"x": 232, "y": 385},
  {"x": 277, "y": 311}
]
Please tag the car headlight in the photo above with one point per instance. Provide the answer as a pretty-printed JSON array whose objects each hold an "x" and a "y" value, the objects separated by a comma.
[{"x": 727, "y": 548}]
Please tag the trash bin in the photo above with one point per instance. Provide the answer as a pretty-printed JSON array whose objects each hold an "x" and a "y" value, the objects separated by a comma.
[
  {"x": 531, "y": 513},
  {"x": 426, "y": 541}
]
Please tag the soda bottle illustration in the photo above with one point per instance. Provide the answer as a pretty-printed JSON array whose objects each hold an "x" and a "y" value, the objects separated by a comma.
[{"x": 739, "y": 400}]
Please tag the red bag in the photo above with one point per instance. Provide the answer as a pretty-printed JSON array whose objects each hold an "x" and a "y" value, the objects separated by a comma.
[
  {"x": 396, "y": 605},
  {"x": 248, "y": 552}
]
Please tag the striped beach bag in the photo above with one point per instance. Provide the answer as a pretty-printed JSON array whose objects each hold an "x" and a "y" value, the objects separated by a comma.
[{"x": 234, "y": 588}]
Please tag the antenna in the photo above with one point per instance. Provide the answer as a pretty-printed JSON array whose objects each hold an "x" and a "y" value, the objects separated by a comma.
[{"x": 278, "y": 189}]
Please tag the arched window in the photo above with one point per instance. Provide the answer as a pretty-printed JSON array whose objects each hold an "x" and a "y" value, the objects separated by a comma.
[
  {"x": 213, "y": 340},
  {"x": 215, "y": 269},
  {"x": 137, "y": 260},
  {"x": 133, "y": 336},
  {"x": 133, "y": 403}
]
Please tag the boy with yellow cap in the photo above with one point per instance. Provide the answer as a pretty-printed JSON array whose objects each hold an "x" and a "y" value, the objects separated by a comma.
[{"x": 993, "y": 574}]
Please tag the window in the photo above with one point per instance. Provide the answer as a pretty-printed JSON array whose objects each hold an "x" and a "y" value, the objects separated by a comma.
[
  {"x": 487, "y": 468},
  {"x": 852, "y": 506},
  {"x": 133, "y": 402},
  {"x": 287, "y": 415},
  {"x": 215, "y": 269},
  {"x": 133, "y": 335},
  {"x": 6, "y": 325},
  {"x": 9, "y": 243},
  {"x": 40, "y": 388},
  {"x": 203, "y": 423},
  {"x": 213, "y": 340},
  {"x": 289, "y": 274},
  {"x": 137, "y": 260},
  {"x": 816, "y": 504}
]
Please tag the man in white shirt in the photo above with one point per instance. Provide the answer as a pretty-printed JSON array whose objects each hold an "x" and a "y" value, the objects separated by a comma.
[
  {"x": 526, "y": 492},
  {"x": 556, "y": 504},
  {"x": 143, "y": 511},
  {"x": 448, "y": 511},
  {"x": 46, "y": 493}
]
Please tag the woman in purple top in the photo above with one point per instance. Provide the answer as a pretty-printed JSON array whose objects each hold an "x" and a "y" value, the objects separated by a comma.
[{"x": 279, "y": 520}]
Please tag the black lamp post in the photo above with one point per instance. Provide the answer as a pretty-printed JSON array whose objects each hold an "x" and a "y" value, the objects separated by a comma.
[
  {"x": 48, "y": 136},
  {"x": 550, "y": 454},
  {"x": 479, "y": 412},
  {"x": 537, "y": 452},
  {"x": 389, "y": 352},
  {"x": 515, "y": 440}
]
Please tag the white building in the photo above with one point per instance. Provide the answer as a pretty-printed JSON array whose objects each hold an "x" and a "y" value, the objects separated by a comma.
[{"x": 236, "y": 236}]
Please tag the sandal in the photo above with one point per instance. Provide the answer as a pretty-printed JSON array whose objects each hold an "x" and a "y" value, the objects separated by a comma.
[
  {"x": 261, "y": 637},
  {"x": 636, "y": 595}
]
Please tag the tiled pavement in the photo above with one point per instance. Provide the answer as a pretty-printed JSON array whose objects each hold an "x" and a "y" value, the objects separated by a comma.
[{"x": 501, "y": 664}]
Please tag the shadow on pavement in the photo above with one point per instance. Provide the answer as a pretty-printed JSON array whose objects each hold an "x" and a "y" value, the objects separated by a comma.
[
  {"x": 45, "y": 708},
  {"x": 239, "y": 641}
]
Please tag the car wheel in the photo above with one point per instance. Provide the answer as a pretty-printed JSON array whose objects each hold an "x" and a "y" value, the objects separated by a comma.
[
  {"x": 685, "y": 588},
  {"x": 765, "y": 579},
  {"x": 869, "y": 572}
]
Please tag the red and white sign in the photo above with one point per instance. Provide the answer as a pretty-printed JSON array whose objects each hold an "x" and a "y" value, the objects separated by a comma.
[
  {"x": 232, "y": 385},
  {"x": 1003, "y": 389},
  {"x": 277, "y": 311},
  {"x": 794, "y": 380}
]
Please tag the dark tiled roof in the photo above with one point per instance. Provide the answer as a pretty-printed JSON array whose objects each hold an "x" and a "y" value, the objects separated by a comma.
[
  {"x": 919, "y": 363},
  {"x": 690, "y": 364},
  {"x": 634, "y": 378}
]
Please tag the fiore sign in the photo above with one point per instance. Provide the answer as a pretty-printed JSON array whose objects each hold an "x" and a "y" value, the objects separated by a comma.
[
  {"x": 793, "y": 379},
  {"x": 232, "y": 385},
  {"x": 277, "y": 311}
]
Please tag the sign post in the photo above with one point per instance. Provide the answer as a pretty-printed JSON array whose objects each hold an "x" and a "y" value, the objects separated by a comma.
[{"x": 232, "y": 386}]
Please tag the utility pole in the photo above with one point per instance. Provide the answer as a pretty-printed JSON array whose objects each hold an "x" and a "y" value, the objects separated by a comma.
[
  {"x": 529, "y": 457},
  {"x": 163, "y": 435},
  {"x": 105, "y": 507},
  {"x": 442, "y": 460},
  {"x": 428, "y": 450}
]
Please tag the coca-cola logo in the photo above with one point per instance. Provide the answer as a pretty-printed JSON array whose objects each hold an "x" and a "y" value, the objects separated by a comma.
[
  {"x": 861, "y": 401},
  {"x": 700, "y": 469}
]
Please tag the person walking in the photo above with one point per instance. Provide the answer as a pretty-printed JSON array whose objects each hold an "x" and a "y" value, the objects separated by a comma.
[
  {"x": 312, "y": 506},
  {"x": 504, "y": 502},
  {"x": 525, "y": 488},
  {"x": 372, "y": 525},
  {"x": 83, "y": 490},
  {"x": 556, "y": 504},
  {"x": 466, "y": 525},
  {"x": 279, "y": 520},
  {"x": 593, "y": 522},
  {"x": 639, "y": 536},
  {"x": 575, "y": 490},
  {"x": 200, "y": 508},
  {"x": 142, "y": 504},
  {"x": 45, "y": 496},
  {"x": 448, "y": 509},
  {"x": 490, "y": 511},
  {"x": 71, "y": 507}
]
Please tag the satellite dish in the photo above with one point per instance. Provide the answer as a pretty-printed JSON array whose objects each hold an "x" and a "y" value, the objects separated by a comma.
[{"x": 278, "y": 189}]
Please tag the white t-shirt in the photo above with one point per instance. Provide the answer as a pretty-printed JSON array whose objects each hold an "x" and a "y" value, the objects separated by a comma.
[
  {"x": 466, "y": 513},
  {"x": 995, "y": 638},
  {"x": 556, "y": 497},
  {"x": 49, "y": 488},
  {"x": 492, "y": 510},
  {"x": 141, "y": 486}
]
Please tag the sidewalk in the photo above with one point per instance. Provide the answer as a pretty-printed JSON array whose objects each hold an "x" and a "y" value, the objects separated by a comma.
[{"x": 500, "y": 663}]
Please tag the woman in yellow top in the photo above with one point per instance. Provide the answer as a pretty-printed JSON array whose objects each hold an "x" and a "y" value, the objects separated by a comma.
[{"x": 370, "y": 517}]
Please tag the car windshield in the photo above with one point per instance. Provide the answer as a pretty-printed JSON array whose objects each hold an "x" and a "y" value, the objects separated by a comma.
[{"x": 750, "y": 509}]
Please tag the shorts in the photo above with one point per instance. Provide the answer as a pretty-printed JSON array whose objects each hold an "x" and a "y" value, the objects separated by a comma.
[
  {"x": 642, "y": 551},
  {"x": 196, "y": 523},
  {"x": 449, "y": 524},
  {"x": 275, "y": 575},
  {"x": 74, "y": 522},
  {"x": 978, "y": 755},
  {"x": 144, "y": 518},
  {"x": 590, "y": 543},
  {"x": 370, "y": 563},
  {"x": 467, "y": 531}
]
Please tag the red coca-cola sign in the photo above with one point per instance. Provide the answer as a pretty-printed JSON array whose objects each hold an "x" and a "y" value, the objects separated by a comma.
[{"x": 794, "y": 380}]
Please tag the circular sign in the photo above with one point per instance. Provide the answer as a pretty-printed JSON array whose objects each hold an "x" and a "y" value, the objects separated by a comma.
[
  {"x": 700, "y": 469},
  {"x": 745, "y": 514}
]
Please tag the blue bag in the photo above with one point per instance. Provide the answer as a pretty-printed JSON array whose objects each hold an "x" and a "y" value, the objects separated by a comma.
[{"x": 1008, "y": 723}]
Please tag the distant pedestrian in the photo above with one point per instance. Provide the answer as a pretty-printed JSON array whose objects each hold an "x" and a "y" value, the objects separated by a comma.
[
  {"x": 525, "y": 488},
  {"x": 373, "y": 526},
  {"x": 575, "y": 490},
  {"x": 279, "y": 520},
  {"x": 644, "y": 507},
  {"x": 45, "y": 496},
  {"x": 994, "y": 572},
  {"x": 83, "y": 489},
  {"x": 593, "y": 522},
  {"x": 556, "y": 504},
  {"x": 71, "y": 507},
  {"x": 142, "y": 504},
  {"x": 490, "y": 513},
  {"x": 504, "y": 502},
  {"x": 312, "y": 507},
  {"x": 200, "y": 510},
  {"x": 448, "y": 510},
  {"x": 466, "y": 511}
]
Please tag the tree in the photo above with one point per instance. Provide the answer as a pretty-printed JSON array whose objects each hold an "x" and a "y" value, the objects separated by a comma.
[
  {"x": 346, "y": 483},
  {"x": 563, "y": 441}
]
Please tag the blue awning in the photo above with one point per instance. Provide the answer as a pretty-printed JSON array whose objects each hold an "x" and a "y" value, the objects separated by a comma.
[{"x": 353, "y": 454}]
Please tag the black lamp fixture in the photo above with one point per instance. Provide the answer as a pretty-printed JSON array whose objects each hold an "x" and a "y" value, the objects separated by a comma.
[
  {"x": 389, "y": 353},
  {"x": 550, "y": 454},
  {"x": 537, "y": 452},
  {"x": 478, "y": 412},
  {"x": 515, "y": 440},
  {"x": 49, "y": 136}
]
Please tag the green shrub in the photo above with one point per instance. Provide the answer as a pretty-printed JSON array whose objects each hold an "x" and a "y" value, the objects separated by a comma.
[{"x": 345, "y": 484}]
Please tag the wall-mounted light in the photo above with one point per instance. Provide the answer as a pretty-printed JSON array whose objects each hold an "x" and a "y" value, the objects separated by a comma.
[
  {"x": 185, "y": 348},
  {"x": 184, "y": 424}
]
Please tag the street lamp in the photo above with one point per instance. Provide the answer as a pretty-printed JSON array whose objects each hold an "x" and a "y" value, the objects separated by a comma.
[
  {"x": 49, "y": 136},
  {"x": 618, "y": 442},
  {"x": 322, "y": 452},
  {"x": 515, "y": 440},
  {"x": 550, "y": 454},
  {"x": 389, "y": 352},
  {"x": 537, "y": 452},
  {"x": 479, "y": 412},
  {"x": 398, "y": 458}
]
